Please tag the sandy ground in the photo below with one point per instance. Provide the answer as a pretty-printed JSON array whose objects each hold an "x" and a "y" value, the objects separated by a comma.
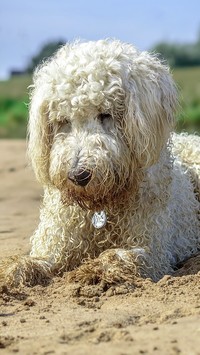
[{"x": 162, "y": 318}]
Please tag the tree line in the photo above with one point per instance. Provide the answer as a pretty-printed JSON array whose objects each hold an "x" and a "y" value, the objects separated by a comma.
[{"x": 179, "y": 55}]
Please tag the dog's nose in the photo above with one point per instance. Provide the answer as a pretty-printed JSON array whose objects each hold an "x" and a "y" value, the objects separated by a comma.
[{"x": 80, "y": 177}]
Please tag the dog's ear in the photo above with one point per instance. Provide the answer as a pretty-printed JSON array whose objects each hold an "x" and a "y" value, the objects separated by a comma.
[
  {"x": 151, "y": 102},
  {"x": 41, "y": 126},
  {"x": 39, "y": 135}
]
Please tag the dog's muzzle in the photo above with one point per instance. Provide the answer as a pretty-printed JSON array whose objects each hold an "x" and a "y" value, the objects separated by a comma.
[{"x": 80, "y": 177}]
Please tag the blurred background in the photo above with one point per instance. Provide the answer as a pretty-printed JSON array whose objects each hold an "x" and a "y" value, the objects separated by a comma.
[{"x": 30, "y": 31}]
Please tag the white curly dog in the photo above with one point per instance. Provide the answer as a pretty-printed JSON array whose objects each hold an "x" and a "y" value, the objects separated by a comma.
[{"x": 121, "y": 192}]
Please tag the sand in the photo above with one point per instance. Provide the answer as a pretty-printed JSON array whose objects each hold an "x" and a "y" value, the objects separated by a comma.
[{"x": 62, "y": 318}]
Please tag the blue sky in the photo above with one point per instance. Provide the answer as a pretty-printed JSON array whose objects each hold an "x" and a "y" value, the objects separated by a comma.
[{"x": 26, "y": 25}]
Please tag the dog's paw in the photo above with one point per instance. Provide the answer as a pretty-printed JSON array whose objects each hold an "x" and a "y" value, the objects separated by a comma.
[
  {"x": 111, "y": 267},
  {"x": 24, "y": 270}
]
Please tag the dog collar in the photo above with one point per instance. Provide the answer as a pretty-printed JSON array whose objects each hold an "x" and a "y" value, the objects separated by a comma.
[{"x": 99, "y": 219}]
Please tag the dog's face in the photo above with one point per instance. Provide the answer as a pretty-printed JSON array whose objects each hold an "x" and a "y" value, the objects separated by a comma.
[
  {"x": 90, "y": 161},
  {"x": 100, "y": 113}
]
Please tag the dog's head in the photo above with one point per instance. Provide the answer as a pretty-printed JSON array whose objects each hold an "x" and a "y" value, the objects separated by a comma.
[{"x": 100, "y": 113}]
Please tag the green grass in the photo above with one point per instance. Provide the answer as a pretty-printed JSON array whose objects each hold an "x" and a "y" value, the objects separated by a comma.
[
  {"x": 14, "y": 107},
  {"x": 14, "y": 103},
  {"x": 188, "y": 83}
]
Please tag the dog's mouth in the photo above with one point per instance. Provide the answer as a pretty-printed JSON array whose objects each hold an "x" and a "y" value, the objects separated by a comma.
[
  {"x": 96, "y": 200},
  {"x": 95, "y": 192},
  {"x": 69, "y": 198},
  {"x": 87, "y": 189},
  {"x": 84, "y": 200}
]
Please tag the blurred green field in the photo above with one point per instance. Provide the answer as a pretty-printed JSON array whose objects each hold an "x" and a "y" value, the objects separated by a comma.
[
  {"x": 188, "y": 82},
  {"x": 14, "y": 103},
  {"x": 14, "y": 100}
]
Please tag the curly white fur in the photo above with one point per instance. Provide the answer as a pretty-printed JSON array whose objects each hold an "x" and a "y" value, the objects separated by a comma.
[{"x": 105, "y": 108}]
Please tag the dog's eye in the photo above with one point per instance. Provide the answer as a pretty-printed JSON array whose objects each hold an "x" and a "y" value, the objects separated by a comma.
[
  {"x": 67, "y": 122},
  {"x": 64, "y": 126},
  {"x": 63, "y": 120},
  {"x": 103, "y": 116}
]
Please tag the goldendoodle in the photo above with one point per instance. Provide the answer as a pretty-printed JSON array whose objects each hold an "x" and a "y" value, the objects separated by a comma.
[{"x": 121, "y": 191}]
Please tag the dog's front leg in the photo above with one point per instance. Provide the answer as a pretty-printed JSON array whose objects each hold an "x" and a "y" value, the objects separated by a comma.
[
  {"x": 112, "y": 266},
  {"x": 24, "y": 270}
]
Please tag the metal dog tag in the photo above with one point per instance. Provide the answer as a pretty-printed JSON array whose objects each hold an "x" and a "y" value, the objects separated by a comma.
[{"x": 99, "y": 219}]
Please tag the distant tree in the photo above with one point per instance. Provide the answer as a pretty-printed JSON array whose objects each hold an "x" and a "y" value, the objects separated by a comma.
[
  {"x": 179, "y": 55},
  {"x": 46, "y": 51},
  {"x": 166, "y": 51}
]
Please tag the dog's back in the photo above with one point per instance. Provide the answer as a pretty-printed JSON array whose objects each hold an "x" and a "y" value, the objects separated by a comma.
[{"x": 187, "y": 149}]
